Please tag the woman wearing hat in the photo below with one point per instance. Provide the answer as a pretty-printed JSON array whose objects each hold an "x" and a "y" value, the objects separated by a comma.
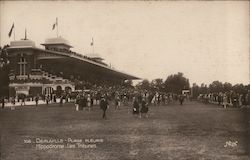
[
  {"x": 89, "y": 102},
  {"x": 136, "y": 106},
  {"x": 144, "y": 108}
]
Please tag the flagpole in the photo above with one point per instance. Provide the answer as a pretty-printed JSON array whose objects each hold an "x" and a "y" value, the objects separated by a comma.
[
  {"x": 57, "y": 27},
  {"x": 14, "y": 34},
  {"x": 93, "y": 46},
  {"x": 25, "y": 36}
]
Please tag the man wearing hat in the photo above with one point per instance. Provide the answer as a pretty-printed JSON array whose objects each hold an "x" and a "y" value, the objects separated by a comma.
[{"x": 104, "y": 105}]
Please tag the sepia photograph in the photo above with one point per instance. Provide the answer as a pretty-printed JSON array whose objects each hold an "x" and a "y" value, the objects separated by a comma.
[{"x": 124, "y": 80}]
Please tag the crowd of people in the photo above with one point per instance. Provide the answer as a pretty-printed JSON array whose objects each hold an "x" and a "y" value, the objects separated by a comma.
[
  {"x": 226, "y": 99},
  {"x": 86, "y": 101},
  {"x": 119, "y": 96},
  {"x": 138, "y": 100},
  {"x": 116, "y": 96}
]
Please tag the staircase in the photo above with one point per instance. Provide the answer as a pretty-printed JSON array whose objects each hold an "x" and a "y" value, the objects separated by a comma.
[{"x": 54, "y": 78}]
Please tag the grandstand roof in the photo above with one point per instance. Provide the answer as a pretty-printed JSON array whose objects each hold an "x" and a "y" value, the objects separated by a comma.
[
  {"x": 57, "y": 40},
  {"x": 84, "y": 64},
  {"x": 22, "y": 43}
]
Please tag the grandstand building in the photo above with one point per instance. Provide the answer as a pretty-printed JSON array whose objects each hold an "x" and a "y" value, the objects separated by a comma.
[{"x": 35, "y": 70}]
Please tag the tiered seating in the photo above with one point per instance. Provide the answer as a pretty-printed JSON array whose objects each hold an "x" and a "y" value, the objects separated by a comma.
[
  {"x": 38, "y": 76},
  {"x": 54, "y": 78}
]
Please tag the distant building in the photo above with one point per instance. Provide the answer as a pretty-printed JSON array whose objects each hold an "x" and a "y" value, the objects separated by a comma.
[{"x": 185, "y": 91}]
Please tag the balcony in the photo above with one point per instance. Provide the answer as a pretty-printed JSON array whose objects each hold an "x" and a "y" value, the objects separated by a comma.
[
  {"x": 22, "y": 77},
  {"x": 38, "y": 77}
]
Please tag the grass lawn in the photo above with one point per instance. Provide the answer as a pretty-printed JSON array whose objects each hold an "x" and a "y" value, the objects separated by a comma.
[{"x": 192, "y": 131}]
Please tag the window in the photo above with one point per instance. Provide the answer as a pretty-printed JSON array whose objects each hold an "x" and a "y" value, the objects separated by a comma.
[{"x": 22, "y": 65}]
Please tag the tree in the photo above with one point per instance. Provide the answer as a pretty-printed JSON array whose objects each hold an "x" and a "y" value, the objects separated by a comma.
[
  {"x": 157, "y": 84},
  {"x": 248, "y": 87},
  {"x": 195, "y": 90},
  {"x": 145, "y": 85},
  {"x": 4, "y": 73},
  {"x": 239, "y": 88},
  {"x": 216, "y": 87},
  {"x": 176, "y": 83},
  {"x": 203, "y": 89},
  {"x": 227, "y": 87}
]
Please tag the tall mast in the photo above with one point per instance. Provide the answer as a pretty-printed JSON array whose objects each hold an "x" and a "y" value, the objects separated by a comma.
[{"x": 57, "y": 27}]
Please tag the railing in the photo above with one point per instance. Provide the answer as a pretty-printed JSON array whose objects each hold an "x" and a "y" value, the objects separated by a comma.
[
  {"x": 22, "y": 77},
  {"x": 35, "y": 76},
  {"x": 45, "y": 81},
  {"x": 11, "y": 77}
]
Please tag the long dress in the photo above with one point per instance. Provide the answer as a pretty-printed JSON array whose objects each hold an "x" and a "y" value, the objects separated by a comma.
[
  {"x": 136, "y": 107},
  {"x": 144, "y": 108}
]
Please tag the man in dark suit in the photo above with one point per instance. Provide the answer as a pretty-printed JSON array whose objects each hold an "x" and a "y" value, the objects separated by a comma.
[
  {"x": 181, "y": 99},
  {"x": 37, "y": 99},
  {"x": 2, "y": 101},
  {"x": 104, "y": 105}
]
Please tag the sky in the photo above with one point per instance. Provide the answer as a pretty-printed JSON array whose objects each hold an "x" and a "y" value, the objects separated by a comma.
[{"x": 206, "y": 41}]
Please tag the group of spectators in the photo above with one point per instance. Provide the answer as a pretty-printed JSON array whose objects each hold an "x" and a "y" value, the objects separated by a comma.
[
  {"x": 226, "y": 99},
  {"x": 104, "y": 94},
  {"x": 119, "y": 96}
]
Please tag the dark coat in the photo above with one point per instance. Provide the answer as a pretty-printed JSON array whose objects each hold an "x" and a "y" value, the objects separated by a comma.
[
  {"x": 104, "y": 104},
  {"x": 144, "y": 107},
  {"x": 136, "y": 107},
  {"x": 82, "y": 102}
]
